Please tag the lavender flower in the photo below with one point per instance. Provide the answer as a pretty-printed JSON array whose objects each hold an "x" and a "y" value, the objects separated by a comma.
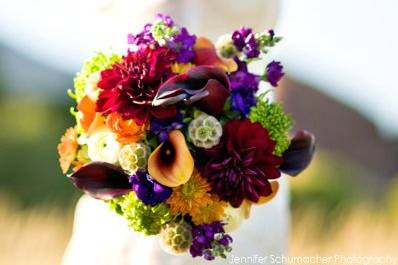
[
  {"x": 162, "y": 127},
  {"x": 244, "y": 40},
  {"x": 143, "y": 38},
  {"x": 210, "y": 241},
  {"x": 148, "y": 190},
  {"x": 166, "y": 19},
  {"x": 244, "y": 85},
  {"x": 274, "y": 73}
]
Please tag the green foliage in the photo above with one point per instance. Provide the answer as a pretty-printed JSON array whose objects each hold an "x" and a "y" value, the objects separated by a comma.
[
  {"x": 141, "y": 217},
  {"x": 265, "y": 41},
  {"x": 100, "y": 61},
  {"x": 272, "y": 117}
]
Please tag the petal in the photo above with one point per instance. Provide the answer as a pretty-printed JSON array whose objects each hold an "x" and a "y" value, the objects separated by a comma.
[
  {"x": 171, "y": 164},
  {"x": 265, "y": 199},
  {"x": 299, "y": 154},
  {"x": 194, "y": 85},
  {"x": 213, "y": 103},
  {"x": 101, "y": 180},
  {"x": 86, "y": 107}
]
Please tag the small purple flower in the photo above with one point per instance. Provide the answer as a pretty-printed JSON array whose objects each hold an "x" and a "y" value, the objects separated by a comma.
[
  {"x": 148, "y": 190},
  {"x": 166, "y": 19},
  {"x": 143, "y": 38},
  {"x": 183, "y": 43},
  {"x": 271, "y": 33},
  {"x": 244, "y": 40},
  {"x": 205, "y": 237},
  {"x": 244, "y": 85},
  {"x": 162, "y": 127},
  {"x": 274, "y": 73}
]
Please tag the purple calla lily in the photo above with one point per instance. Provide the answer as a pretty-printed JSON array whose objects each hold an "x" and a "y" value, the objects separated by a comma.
[
  {"x": 208, "y": 86},
  {"x": 101, "y": 180},
  {"x": 299, "y": 154}
]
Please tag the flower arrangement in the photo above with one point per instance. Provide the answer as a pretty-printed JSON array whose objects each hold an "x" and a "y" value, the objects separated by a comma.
[{"x": 175, "y": 136}]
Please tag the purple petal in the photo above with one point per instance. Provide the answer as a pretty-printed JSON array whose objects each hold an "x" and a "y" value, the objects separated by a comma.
[
  {"x": 299, "y": 154},
  {"x": 101, "y": 180}
]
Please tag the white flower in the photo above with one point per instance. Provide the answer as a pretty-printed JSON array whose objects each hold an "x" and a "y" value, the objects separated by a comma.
[
  {"x": 205, "y": 131},
  {"x": 91, "y": 88},
  {"x": 133, "y": 157},
  {"x": 103, "y": 146}
]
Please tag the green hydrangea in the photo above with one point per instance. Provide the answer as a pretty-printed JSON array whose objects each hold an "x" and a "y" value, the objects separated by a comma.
[
  {"x": 141, "y": 217},
  {"x": 161, "y": 32},
  {"x": 272, "y": 117},
  {"x": 100, "y": 61}
]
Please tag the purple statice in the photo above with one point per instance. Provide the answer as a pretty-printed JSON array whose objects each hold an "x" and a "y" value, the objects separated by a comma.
[
  {"x": 162, "y": 127},
  {"x": 244, "y": 85},
  {"x": 143, "y": 38},
  {"x": 210, "y": 241},
  {"x": 245, "y": 41},
  {"x": 183, "y": 43},
  {"x": 274, "y": 72},
  {"x": 148, "y": 190}
]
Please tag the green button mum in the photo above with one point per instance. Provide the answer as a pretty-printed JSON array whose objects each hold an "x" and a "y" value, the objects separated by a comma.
[
  {"x": 141, "y": 217},
  {"x": 273, "y": 118}
]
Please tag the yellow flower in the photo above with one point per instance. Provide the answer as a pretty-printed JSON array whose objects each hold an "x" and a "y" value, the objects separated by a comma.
[
  {"x": 209, "y": 212},
  {"x": 180, "y": 68},
  {"x": 189, "y": 197}
]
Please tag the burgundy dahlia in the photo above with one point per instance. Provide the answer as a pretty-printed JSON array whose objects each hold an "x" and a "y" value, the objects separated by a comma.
[
  {"x": 130, "y": 85},
  {"x": 240, "y": 166}
]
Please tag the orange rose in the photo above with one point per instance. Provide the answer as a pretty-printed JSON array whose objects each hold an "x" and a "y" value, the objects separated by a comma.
[
  {"x": 127, "y": 131},
  {"x": 67, "y": 149}
]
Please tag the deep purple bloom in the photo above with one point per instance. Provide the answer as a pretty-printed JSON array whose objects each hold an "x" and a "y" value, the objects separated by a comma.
[
  {"x": 148, "y": 190},
  {"x": 162, "y": 127},
  {"x": 274, "y": 72},
  {"x": 271, "y": 33},
  {"x": 244, "y": 85},
  {"x": 244, "y": 40},
  {"x": 204, "y": 238},
  {"x": 183, "y": 43}
]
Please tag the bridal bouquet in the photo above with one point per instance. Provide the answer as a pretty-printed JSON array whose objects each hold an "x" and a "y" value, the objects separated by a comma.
[{"x": 177, "y": 136}]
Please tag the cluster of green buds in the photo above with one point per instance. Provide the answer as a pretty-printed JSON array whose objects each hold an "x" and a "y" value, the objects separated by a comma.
[
  {"x": 205, "y": 131},
  {"x": 133, "y": 157}
]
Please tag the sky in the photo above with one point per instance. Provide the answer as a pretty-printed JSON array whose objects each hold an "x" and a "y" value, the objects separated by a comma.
[{"x": 345, "y": 48}]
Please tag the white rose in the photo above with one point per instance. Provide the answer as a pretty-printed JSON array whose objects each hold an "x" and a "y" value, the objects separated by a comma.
[{"x": 103, "y": 146}]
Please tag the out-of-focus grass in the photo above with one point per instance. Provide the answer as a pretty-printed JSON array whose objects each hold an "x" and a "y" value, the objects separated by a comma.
[{"x": 33, "y": 236}]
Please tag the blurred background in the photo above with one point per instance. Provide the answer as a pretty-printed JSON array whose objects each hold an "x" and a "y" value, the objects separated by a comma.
[{"x": 341, "y": 83}]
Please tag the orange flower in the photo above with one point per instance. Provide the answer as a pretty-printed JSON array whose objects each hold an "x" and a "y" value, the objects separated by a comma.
[
  {"x": 127, "y": 131},
  {"x": 67, "y": 149},
  {"x": 206, "y": 54},
  {"x": 86, "y": 107}
]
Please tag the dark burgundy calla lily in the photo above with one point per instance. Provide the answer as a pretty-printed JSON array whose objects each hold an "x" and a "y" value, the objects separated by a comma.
[
  {"x": 208, "y": 86},
  {"x": 101, "y": 180},
  {"x": 299, "y": 154}
]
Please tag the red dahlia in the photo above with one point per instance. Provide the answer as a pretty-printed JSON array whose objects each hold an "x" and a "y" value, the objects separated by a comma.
[
  {"x": 240, "y": 166},
  {"x": 129, "y": 86}
]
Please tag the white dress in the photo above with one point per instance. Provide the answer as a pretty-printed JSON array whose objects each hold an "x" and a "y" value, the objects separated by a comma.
[{"x": 101, "y": 237}]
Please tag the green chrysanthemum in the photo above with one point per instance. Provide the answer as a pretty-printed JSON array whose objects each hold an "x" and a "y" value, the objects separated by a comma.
[
  {"x": 141, "y": 217},
  {"x": 100, "y": 61},
  {"x": 272, "y": 117}
]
